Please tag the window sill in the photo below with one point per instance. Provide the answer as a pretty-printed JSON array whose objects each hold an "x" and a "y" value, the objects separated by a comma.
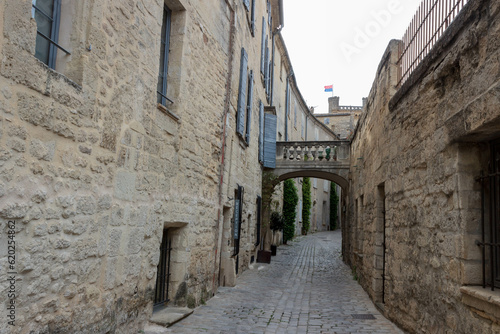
[
  {"x": 483, "y": 302},
  {"x": 169, "y": 113}
]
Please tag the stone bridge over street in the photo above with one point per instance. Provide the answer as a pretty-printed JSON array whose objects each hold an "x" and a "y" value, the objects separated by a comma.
[{"x": 327, "y": 160}]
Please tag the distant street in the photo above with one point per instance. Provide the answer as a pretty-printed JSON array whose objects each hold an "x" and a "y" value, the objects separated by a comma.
[{"x": 306, "y": 289}]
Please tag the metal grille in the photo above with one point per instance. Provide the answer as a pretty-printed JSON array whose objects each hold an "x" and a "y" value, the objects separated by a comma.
[
  {"x": 429, "y": 23},
  {"x": 490, "y": 220},
  {"x": 163, "y": 271},
  {"x": 363, "y": 316}
]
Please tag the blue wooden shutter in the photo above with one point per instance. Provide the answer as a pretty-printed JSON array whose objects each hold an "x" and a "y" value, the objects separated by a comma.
[
  {"x": 252, "y": 26},
  {"x": 263, "y": 46},
  {"x": 249, "y": 106},
  {"x": 270, "y": 122},
  {"x": 266, "y": 69},
  {"x": 261, "y": 132},
  {"x": 242, "y": 101},
  {"x": 247, "y": 4}
]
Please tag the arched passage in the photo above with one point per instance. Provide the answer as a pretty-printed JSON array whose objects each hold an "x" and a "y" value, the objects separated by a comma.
[{"x": 319, "y": 174}]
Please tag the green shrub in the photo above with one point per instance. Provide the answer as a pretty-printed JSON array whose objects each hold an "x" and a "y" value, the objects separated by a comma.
[
  {"x": 334, "y": 201},
  {"x": 306, "y": 209},
  {"x": 290, "y": 200}
]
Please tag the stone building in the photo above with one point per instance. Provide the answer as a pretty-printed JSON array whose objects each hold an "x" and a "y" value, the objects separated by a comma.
[
  {"x": 342, "y": 120},
  {"x": 423, "y": 199},
  {"x": 132, "y": 153}
]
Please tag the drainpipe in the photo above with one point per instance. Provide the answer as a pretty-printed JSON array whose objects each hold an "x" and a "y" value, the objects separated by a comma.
[{"x": 218, "y": 230}]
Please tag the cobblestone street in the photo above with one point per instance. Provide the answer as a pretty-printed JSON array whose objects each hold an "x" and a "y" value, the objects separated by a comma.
[{"x": 306, "y": 289}]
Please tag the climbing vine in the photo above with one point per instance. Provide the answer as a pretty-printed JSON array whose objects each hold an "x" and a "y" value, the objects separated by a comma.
[
  {"x": 306, "y": 209},
  {"x": 290, "y": 200},
  {"x": 334, "y": 201}
]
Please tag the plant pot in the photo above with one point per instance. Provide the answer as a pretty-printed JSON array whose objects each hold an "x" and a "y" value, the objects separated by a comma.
[
  {"x": 273, "y": 250},
  {"x": 264, "y": 256}
]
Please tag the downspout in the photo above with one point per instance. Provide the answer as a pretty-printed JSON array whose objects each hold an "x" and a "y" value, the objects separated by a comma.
[{"x": 218, "y": 238}]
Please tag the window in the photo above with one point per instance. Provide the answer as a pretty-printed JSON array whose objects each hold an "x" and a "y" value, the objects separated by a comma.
[
  {"x": 295, "y": 113},
  {"x": 490, "y": 197},
  {"x": 164, "y": 52},
  {"x": 302, "y": 126},
  {"x": 245, "y": 99},
  {"x": 47, "y": 14},
  {"x": 327, "y": 121}
]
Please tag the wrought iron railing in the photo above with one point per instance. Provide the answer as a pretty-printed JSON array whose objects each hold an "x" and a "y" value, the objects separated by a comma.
[{"x": 429, "y": 23}]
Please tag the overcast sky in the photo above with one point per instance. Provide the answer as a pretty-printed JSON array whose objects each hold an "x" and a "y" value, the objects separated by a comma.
[{"x": 341, "y": 43}]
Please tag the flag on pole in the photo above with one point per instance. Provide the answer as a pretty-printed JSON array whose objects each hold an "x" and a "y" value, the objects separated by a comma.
[{"x": 329, "y": 88}]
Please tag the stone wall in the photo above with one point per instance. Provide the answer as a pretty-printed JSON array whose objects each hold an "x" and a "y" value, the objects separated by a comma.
[
  {"x": 93, "y": 170},
  {"x": 414, "y": 203}
]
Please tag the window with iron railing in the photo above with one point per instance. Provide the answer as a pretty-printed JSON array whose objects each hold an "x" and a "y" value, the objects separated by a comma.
[
  {"x": 164, "y": 53},
  {"x": 490, "y": 219},
  {"x": 47, "y": 14}
]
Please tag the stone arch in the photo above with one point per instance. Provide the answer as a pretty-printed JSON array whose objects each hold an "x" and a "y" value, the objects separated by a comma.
[{"x": 319, "y": 174}]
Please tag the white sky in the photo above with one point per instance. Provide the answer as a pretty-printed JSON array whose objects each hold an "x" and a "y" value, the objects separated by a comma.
[{"x": 341, "y": 42}]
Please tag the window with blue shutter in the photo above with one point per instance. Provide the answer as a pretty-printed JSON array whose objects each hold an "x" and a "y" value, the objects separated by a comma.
[
  {"x": 270, "y": 123},
  {"x": 263, "y": 47},
  {"x": 249, "y": 107},
  {"x": 242, "y": 94},
  {"x": 261, "y": 132}
]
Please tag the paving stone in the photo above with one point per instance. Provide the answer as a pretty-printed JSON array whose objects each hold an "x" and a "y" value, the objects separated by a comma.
[{"x": 305, "y": 289}]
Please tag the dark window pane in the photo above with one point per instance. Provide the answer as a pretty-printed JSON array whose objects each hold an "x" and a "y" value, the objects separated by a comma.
[
  {"x": 42, "y": 49},
  {"x": 164, "y": 51},
  {"x": 47, "y": 6}
]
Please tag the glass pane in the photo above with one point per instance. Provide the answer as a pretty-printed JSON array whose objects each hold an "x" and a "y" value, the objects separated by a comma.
[
  {"x": 42, "y": 49},
  {"x": 43, "y": 24},
  {"x": 47, "y": 6},
  {"x": 162, "y": 75}
]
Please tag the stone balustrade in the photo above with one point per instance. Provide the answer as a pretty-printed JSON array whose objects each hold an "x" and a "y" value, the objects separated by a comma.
[{"x": 313, "y": 151}]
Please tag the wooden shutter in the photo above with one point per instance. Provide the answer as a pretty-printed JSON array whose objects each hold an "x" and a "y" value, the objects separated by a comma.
[
  {"x": 247, "y": 4},
  {"x": 242, "y": 101},
  {"x": 266, "y": 69},
  {"x": 263, "y": 46},
  {"x": 261, "y": 132},
  {"x": 249, "y": 107},
  {"x": 270, "y": 122},
  {"x": 252, "y": 26}
]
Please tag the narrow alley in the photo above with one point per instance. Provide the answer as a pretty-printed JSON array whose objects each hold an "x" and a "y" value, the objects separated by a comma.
[{"x": 306, "y": 289}]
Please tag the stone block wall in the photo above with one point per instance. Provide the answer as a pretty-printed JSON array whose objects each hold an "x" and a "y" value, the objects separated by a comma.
[
  {"x": 92, "y": 169},
  {"x": 414, "y": 203}
]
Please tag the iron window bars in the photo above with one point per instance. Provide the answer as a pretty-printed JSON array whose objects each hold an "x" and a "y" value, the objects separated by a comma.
[
  {"x": 164, "y": 52},
  {"x": 490, "y": 220},
  {"x": 47, "y": 14}
]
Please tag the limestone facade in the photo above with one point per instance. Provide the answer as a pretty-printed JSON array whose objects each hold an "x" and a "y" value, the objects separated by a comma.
[
  {"x": 96, "y": 167},
  {"x": 414, "y": 199}
]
